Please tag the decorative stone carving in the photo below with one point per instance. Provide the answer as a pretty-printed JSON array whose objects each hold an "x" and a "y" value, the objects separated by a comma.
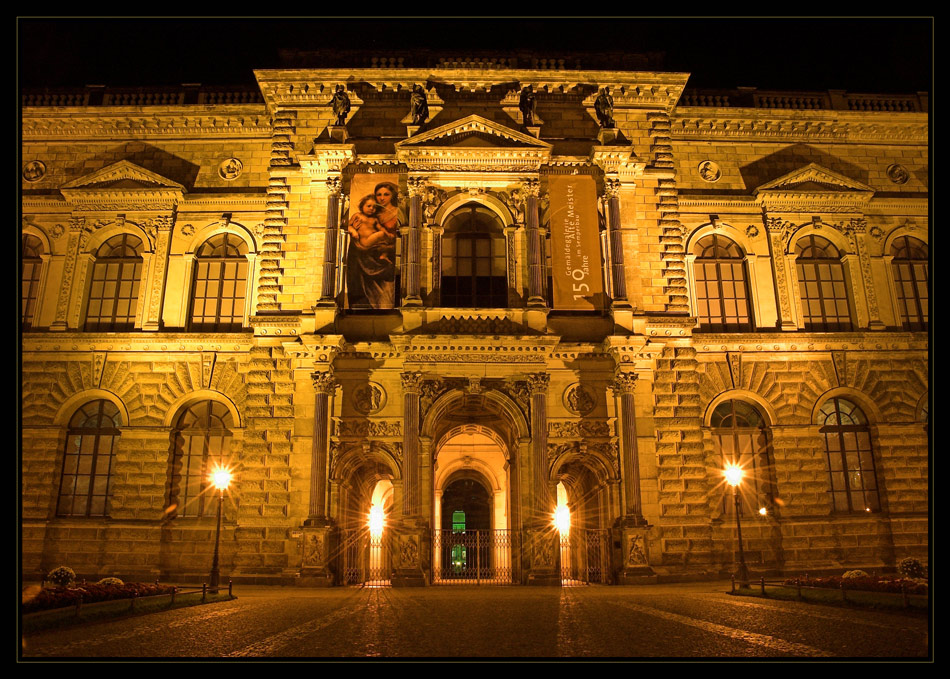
[
  {"x": 897, "y": 173},
  {"x": 418, "y": 105},
  {"x": 735, "y": 368},
  {"x": 408, "y": 551},
  {"x": 579, "y": 399},
  {"x": 313, "y": 550},
  {"x": 324, "y": 382},
  {"x": 230, "y": 169},
  {"x": 538, "y": 383},
  {"x": 709, "y": 171},
  {"x": 604, "y": 107},
  {"x": 34, "y": 171},
  {"x": 543, "y": 551},
  {"x": 334, "y": 185},
  {"x": 635, "y": 554},
  {"x": 839, "y": 358},
  {"x": 369, "y": 398},
  {"x": 188, "y": 230},
  {"x": 876, "y": 232},
  {"x": 340, "y": 103},
  {"x": 411, "y": 381},
  {"x": 624, "y": 383},
  {"x": 515, "y": 202},
  {"x": 579, "y": 429},
  {"x": 752, "y": 231},
  {"x": 364, "y": 428}
]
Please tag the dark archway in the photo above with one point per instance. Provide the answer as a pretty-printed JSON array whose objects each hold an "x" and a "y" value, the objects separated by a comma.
[{"x": 470, "y": 497}]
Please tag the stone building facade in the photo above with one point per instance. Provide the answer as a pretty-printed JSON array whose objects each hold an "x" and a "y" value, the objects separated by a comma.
[{"x": 189, "y": 297}]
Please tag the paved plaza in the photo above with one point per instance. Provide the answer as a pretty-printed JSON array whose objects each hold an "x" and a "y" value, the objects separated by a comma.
[{"x": 697, "y": 620}]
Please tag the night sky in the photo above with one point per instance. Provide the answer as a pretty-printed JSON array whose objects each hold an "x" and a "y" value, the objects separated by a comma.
[{"x": 891, "y": 55}]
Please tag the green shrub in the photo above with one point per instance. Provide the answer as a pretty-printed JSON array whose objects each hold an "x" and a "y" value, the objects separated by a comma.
[
  {"x": 912, "y": 568},
  {"x": 61, "y": 576},
  {"x": 112, "y": 582},
  {"x": 849, "y": 575}
]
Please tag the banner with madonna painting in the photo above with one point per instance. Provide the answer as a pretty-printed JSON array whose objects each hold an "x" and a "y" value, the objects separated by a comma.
[{"x": 372, "y": 226}]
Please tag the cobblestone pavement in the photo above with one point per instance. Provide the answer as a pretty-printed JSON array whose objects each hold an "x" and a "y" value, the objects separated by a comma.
[{"x": 660, "y": 621}]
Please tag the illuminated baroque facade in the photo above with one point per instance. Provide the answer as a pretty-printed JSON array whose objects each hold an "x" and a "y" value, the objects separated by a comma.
[{"x": 462, "y": 294}]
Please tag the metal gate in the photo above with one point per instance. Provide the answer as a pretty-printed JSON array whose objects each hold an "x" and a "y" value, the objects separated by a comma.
[
  {"x": 471, "y": 557},
  {"x": 585, "y": 557},
  {"x": 367, "y": 560}
]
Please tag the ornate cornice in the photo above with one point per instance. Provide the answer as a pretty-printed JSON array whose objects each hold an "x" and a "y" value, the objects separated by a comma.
[
  {"x": 62, "y": 342},
  {"x": 326, "y": 158},
  {"x": 811, "y": 341},
  {"x": 122, "y": 186},
  {"x": 475, "y": 349},
  {"x": 690, "y": 123},
  {"x": 127, "y": 122}
]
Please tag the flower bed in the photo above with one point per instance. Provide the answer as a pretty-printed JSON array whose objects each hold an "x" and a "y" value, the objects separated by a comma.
[
  {"x": 868, "y": 583},
  {"x": 61, "y": 597}
]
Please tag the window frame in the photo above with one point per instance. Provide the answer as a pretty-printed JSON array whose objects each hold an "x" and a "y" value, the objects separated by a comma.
[
  {"x": 912, "y": 266},
  {"x": 102, "y": 263},
  {"x": 736, "y": 264},
  {"x": 241, "y": 261},
  {"x": 98, "y": 434},
  {"x": 453, "y": 235},
  {"x": 30, "y": 288},
  {"x": 759, "y": 453},
  {"x": 193, "y": 485},
  {"x": 838, "y": 459},
  {"x": 833, "y": 266}
]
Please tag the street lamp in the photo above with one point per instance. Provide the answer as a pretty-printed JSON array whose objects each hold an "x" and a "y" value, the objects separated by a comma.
[
  {"x": 220, "y": 479},
  {"x": 733, "y": 474}
]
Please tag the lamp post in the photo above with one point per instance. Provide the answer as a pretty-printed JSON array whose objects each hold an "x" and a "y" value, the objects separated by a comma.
[
  {"x": 733, "y": 474},
  {"x": 221, "y": 479}
]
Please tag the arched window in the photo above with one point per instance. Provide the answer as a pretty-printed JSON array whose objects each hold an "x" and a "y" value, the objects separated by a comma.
[
  {"x": 89, "y": 460},
  {"x": 740, "y": 435},
  {"x": 474, "y": 259},
  {"x": 116, "y": 276},
  {"x": 850, "y": 459},
  {"x": 201, "y": 441},
  {"x": 220, "y": 285},
  {"x": 722, "y": 292},
  {"x": 822, "y": 284},
  {"x": 32, "y": 263},
  {"x": 911, "y": 276}
]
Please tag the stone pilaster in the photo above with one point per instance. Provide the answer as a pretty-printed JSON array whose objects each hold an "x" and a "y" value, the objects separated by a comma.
[
  {"x": 412, "y": 252},
  {"x": 324, "y": 385},
  {"x": 328, "y": 290},
  {"x": 512, "y": 259},
  {"x": 436, "y": 293},
  {"x": 152, "y": 316},
  {"x": 411, "y": 383},
  {"x": 535, "y": 246},
  {"x": 68, "y": 298},
  {"x": 777, "y": 230},
  {"x": 623, "y": 388}
]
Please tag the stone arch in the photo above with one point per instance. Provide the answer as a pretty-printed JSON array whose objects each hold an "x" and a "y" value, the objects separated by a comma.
[
  {"x": 452, "y": 203},
  {"x": 923, "y": 235},
  {"x": 358, "y": 455},
  {"x": 867, "y": 405},
  {"x": 71, "y": 404},
  {"x": 729, "y": 231},
  {"x": 438, "y": 418},
  {"x": 213, "y": 229},
  {"x": 34, "y": 230},
  {"x": 829, "y": 233},
  {"x": 923, "y": 406},
  {"x": 741, "y": 395},
  {"x": 183, "y": 401},
  {"x": 572, "y": 454},
  {"x": 100, "y": 236}
]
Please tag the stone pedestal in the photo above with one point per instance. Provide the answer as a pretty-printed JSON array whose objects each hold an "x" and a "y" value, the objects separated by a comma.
[
  {"x": 337, "y": 133},
  {"x": 635, "y": 567},
  {"x": 319, "y": 544},
  {"x": 410, "y": 546},
  {"x": 534, "y": 130},
  {"x": 607, "y": 136},
  {"x": 541, "y": 549}
]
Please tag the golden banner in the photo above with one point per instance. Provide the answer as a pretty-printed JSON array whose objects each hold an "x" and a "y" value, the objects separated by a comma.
[
  {"x": 575, "y": 243},
  {"x": 372, "y": 227}
]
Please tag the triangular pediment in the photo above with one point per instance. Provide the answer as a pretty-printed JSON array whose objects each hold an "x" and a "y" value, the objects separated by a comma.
[
  {"x": 473, "y": 131},
  {"x": 123, "y": 176},
  {"x": 814, "y": 178}
]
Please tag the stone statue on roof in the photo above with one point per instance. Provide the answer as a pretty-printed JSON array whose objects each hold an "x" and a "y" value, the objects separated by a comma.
[
  {"x": 604, "y": 106},
  {"x": 340, "y": 104}
]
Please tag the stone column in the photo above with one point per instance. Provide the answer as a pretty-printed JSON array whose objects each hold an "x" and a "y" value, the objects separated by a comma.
[
  {"x": 535, "y": 246},
  {"x": 328, "y": 290},
  {"x": 68, "y": 300},
  {"x": 411, "y": 383},
  {"x": 412, "y": 252},
  {"x": 318, "y": 533},
  {"x": 436, "y": 293},
  {"x": 857, "y": 230},
  {"x": 512, "y": 261},
  {"x": 634, "y": 531},
  {"x": 409, "y": 538},
  {"x": 324, "y": 385},
  {"x": 160, "y": 232},
  {"x": 778, "y": 231},
  {"x": 618, "y": 281},
  {"x": 623, "y": 387},
  {"x": 541, "y": 543}
]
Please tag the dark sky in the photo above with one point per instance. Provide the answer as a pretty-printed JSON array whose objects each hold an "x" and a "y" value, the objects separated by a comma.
[{"x": 890, "y": 55}]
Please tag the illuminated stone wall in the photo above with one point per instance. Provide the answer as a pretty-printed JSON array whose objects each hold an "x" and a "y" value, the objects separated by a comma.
[{"x": 680, "y": 168}]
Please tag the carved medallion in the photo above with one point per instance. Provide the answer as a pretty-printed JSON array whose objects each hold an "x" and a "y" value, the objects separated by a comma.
[
  {"x": 709, "y": 171},
  {"x": 34, "y": 171},
  {"x": 897, "y": 173},
  {"x": 635, "y": 553},
  {"x": 230, "y": 169},
  {"x": 369, "y": 398},
  {"x": 579, "y": 399}
]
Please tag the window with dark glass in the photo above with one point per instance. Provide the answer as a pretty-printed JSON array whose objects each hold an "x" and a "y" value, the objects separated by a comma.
[
  {"x": 910, "y": 265},
  {"x": 740, "y": 436},
  {"x": 89, "y": 460},
  {"x": 822, "y": 285},
  {"x": 202, "y": 441},
  {"x": 474, "y": 260},
  {"x": 220, "y": 285},
  {"x": 850, "y": 458},
  {"x": 116, "y": 277},
  {"x": 31, "y": 264},
  {"x": 722, "y": 292}
]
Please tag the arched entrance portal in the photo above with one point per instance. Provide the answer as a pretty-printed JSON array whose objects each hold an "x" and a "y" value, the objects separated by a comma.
[{"x": 472, "y": 492}]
